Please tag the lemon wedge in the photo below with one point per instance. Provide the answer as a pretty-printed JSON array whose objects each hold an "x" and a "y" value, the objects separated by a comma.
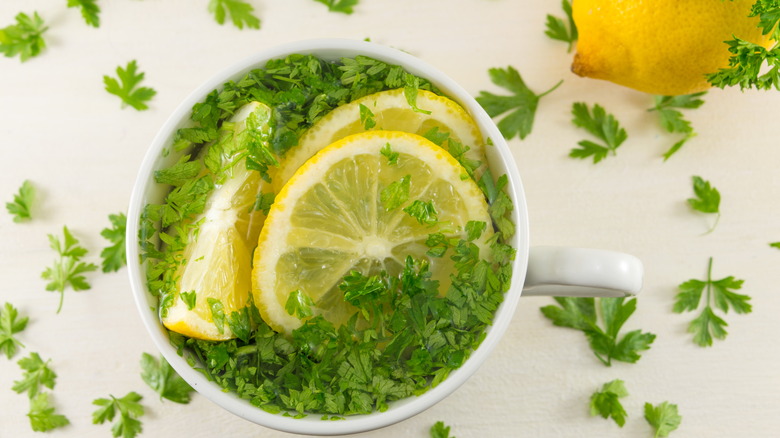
[
  {"x": 215, "y": 278},
  {"x": 387, "y": 110},
  {"x": 346, "y": 208}
]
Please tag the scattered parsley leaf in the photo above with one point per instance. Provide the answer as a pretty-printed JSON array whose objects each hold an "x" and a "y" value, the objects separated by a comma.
[
  {"x": 127, "y": 425},
  {"x": 161, "y": 377},
  {"x": 440, "y": 430},
  {"x": 240, "y": 13},
  {"x": 557, "y": 29},
  {"x": 25, "y": 38},
  {"x": 607, "y": 404},
  {"x": 89, "y": 10},
  {"x": 392, "y": 157},
  {"x": 68, "y": 269},
  {"x": 720, "y": 293},
  {"x": 130, "y": 95},
  {"x": 663, "y": 417},
  {"x": 114, "y": 256},
  {"x": 396, "y": 193},
  {"x": 9, "y": 326},
  {"x": 366, "y": 117},
  {"x": 343, "y": 6},
  {"x": 752, "y": 65},
  {"x": 523, "y": 101},
  {"x": 36, "y": 374},
  {"x": 581, "y": 314},
  {"x": 42, "y": 416},
  {"x": 298, "y": 303},
  {"x": 424, "y": 212},
  {"x": 707, "y": 199},
  {"x": 600, "y": 124},
  {"x": 672, "y": 120},
  {"x": 775, "y": 245},
  {"x": 22, "y": 203}
]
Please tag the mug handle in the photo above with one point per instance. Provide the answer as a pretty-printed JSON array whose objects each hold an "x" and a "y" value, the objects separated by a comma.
[{"x": 581, "y": 272}]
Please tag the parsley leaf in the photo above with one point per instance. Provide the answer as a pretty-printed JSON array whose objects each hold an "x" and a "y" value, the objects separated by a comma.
[
  {"x": 663, "y": 417},
  {"x": 396, "y": 193},
  {"x": 114, "y": 256},
  {"x": 36, "y": 374},
  {"x": 298, "y": 303},
  {"x": 161, "y": 377},
  {"x": 607, "y": 404},
  {"x": 523, "y": 101},
  {"x": 424, "y": 212},
  {"x": 673, "y": 121},
  {"x": 127, "y": 425},
  {"x": 42, "y": 416},
  {"x": 22, "y": 203},
  {"x": 264, "y": 202},
  {"x": 366, "y": 117},
  {"x": 558, "y": 30},
  {"x": 89, "y": 10},
  {"x": 25, "y": 38},
  {"x": 775, "y": 245},
  {"x": 130, "y": 95},
  {"x": 343, "y": 6},
  {"x": 440, "y": 430},
  {"x": 707, "y": 199},
  {"x": 581, "y": 314},
  {"x": 240, "y": 13},
  {"x": 720, "y": 293},
  {"x": 387, "y": 152},
  {"x": 9, "y": 326},
  {"x": 68, "y": 269},
  {"x": 600, "y": 124},
  {"x": 749, "y": 60}
]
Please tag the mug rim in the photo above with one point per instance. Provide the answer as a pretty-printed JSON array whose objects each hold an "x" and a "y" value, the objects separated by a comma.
[{"x": 328, "y": 48}]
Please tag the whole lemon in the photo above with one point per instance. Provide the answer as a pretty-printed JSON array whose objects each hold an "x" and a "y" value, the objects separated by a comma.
[{"x": 661, "y": 47}]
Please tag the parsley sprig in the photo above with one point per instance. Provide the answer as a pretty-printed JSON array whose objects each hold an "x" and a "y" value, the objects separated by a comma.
[
  {"x": 114, "y": 256},
  {"x": 602, "y": 125},
  {"x": 521, "y": 104},
  {"x": 25, "y": 38},
  {"x": 240, "y": 13},
  {"x": 128, "y": 90},
  {"x": 752, "y": 65},
  {"x": 583, "y": 314},
  {"x": 440, "y": 430},
  {"x": 43, "y": 416},
  {"x": 559, "y": 30},
  {"x": 68, "y": 269},
  {"x": 128, "y": 409},
  {"x": 37, "y": 374},
  {"x": 10, "y": 324},
  {"x": 718, "y": 293},
  {"x": 90, "y": 11},
  {"x": 343, "y": 6},
  {"x": 606, "y": 402},
  {"x": 707, "y": 199},
  {"x": 21, "y": 207},
  {"x": 673, "y": 121},
  {"x": 664, "y": 418}
]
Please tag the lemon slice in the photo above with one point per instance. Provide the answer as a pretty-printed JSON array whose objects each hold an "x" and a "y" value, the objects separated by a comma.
[
  {"x": 217, "y": 267},
  {"x": 330, "y": 219},
  {"x": 391, "y": 111}
]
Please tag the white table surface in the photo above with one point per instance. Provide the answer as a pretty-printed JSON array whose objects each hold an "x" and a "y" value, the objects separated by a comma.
[{"x": 62, "y": 131}]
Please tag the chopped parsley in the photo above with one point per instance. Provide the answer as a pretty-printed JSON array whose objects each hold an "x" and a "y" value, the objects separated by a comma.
[
  {"x": 396, "y": 193},
  {"x": 25, "y": 38},
  {"x": 424, "y": 212},
  {"x": 366, "y": 117},
  {"x": 21, "y": 206},
  {"x": 125, "y": 87}
]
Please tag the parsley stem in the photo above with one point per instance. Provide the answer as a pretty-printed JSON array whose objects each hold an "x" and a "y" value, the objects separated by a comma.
[
  {"x": 709, "y": 281},
  {"x": 62, "y": 295},
  {"x": 550, "y": 90}
]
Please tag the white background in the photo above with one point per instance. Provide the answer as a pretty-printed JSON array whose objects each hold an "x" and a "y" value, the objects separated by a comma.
[{"x": 62, "y": 131}]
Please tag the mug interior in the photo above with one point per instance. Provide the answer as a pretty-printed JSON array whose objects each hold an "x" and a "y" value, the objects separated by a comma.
[{"x": 500, "y": 161}]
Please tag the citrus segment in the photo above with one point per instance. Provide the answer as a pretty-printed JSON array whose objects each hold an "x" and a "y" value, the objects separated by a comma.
[
  {"x": 388, "y": 110},
  {"x": 330, "y": 219}
]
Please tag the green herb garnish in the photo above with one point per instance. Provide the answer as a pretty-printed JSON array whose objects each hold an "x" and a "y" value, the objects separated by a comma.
[
  {"x": 602, "y": 125},
  {"x": 299, "y": 304},
  {"x": 114, "y": 256},
  {"x": 160, "y": 376},
  {"x": 89, "y": 10},
  {"x": 240, "y": 13},
  {"x": 128, "y": 409},
  {"x": 387, "y": 152},
  {"x": 559, "y": 30},
  {"x": 37, "y": 374},
  {"x": 127, "y": 91},
  {"x": 707, "y": 199},
  {"x": 42, "y": 415},
  {"x": 68, "y": 269},
  {"x": 21, "y": 206},
  {"x": 25, "y": 38},
  {"x": 343, "y": 6},
  {"x": 440, "y": 430},
  {"x": 10, "y": 324},
  {"x": 673, "y": 121},
  {"x": 606, "y": 402},
  {"x": 663, "y": 417},
  {"x": 523, "y": 102},
  {"x": 424, "y": 212},
  {"x": 366, "y": 117},
  {"x": 720, "y": 293},
  {"x": 396, "y": 193},
  {"x": 582, "y": 314}
]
